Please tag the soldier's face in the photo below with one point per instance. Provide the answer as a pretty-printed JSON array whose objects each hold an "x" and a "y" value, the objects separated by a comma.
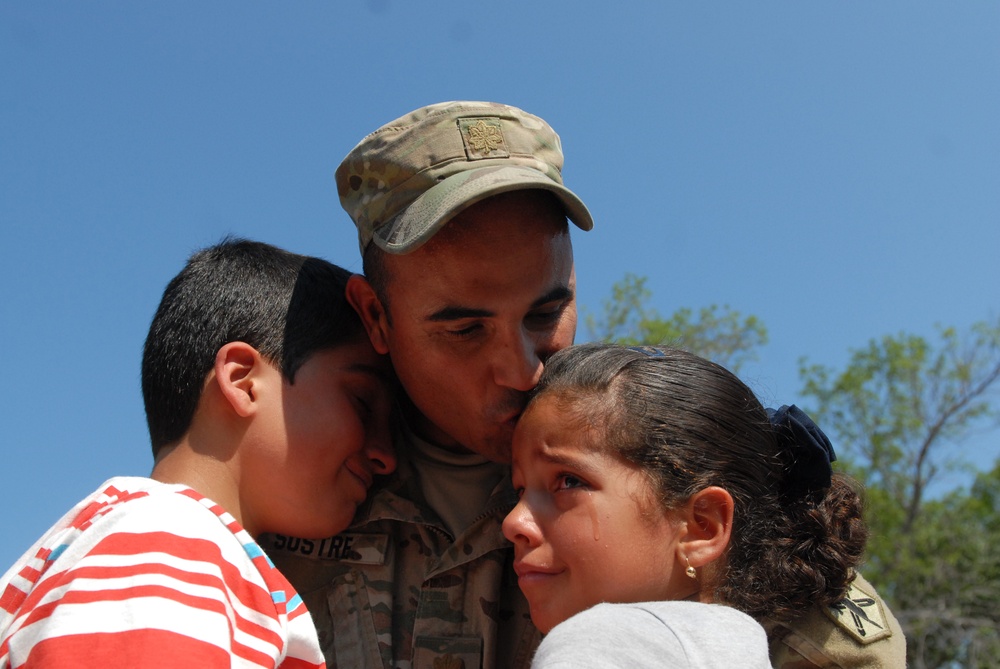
[
  {"x": 474, "y": 313},
  {"x": 587, "y": 527}
]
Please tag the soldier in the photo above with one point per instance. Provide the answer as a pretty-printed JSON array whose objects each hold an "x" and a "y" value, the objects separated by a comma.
[{"x": 469, "y": 286}]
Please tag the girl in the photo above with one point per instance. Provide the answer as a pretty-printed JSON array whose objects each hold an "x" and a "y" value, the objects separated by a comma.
[{"x": 653, "y": 475}]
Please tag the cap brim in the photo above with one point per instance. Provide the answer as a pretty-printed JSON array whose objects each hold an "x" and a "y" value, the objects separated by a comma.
[{"x": 436, "y": 206}]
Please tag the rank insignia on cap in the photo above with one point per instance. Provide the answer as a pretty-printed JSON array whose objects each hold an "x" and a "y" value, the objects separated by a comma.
[
  {"x": 483, "y": 138},
  {"x": 860, "y": 614}
]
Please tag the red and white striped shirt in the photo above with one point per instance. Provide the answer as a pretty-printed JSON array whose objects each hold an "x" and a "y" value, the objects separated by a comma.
[{"x": 143, "y": 574}]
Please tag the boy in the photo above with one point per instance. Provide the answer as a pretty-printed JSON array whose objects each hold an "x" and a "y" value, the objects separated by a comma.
[{"x": 267, "y": 410}]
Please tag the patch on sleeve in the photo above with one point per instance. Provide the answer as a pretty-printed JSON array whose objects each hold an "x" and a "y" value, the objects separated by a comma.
[{"x": 860, "y": 614}]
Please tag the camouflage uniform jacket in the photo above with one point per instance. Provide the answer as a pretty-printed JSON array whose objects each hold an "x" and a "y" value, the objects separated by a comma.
[
  {"x": 859, "y": 632},
  {"x": 397, "y": 590}
]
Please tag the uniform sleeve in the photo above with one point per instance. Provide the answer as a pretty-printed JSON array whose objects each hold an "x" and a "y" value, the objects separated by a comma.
[
  {"x": 184, "y": 594},
  {"x": 859, "y": 632}
]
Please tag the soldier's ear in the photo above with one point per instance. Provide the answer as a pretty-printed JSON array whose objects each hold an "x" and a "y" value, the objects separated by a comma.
[{"x": 373, "y": 314}]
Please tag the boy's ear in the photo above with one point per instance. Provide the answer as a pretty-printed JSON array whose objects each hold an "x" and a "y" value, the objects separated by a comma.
[
  {"x": 235, "y": 369},
  {"x": 708, "y": 518},
  {"x": 362, "y": 297}
]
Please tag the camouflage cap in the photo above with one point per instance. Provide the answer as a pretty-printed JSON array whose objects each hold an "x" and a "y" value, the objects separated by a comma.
[{"x": 404, "y": 181}]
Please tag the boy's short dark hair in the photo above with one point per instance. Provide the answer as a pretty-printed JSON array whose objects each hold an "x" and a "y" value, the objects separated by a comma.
[{"x": 285, "y": 305}]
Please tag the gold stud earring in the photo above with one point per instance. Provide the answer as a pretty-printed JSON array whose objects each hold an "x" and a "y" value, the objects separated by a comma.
[{"x": 690, "y": 571}]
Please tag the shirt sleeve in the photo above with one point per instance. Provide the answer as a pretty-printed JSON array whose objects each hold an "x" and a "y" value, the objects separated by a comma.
[
  {"x": 125, "y": 595},
  {"x": 609, "y": 636},
  {"x": 674, "y": 634}
]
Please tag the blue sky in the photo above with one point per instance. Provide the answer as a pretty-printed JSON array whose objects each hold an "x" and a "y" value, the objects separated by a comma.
[{"x": 832, "y": 168}]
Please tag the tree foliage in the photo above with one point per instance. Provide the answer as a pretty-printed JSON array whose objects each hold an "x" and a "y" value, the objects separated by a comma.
[
  {"x": 717, "y": 333},
  {"x": 901, "y": 405},
  {"x": 899, "y": 410},
  {"x": 947, "y": 583}
]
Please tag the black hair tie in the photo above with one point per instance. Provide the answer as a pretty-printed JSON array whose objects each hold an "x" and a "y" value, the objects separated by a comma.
[{"x": 811, "y": 452}]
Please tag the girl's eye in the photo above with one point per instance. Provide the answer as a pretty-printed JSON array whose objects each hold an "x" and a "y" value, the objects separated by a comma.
[{"x": 569, "y": 481}]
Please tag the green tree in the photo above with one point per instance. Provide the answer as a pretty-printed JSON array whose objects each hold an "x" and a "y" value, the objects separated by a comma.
[
  {"x": 717, "y": 333},
  {"x": 948, "y": 585},
  {"x": 899, "y": 410}
]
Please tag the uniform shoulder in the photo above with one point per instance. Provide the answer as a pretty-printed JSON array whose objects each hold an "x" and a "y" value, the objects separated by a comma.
[{"x": 858, "y": 632}]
